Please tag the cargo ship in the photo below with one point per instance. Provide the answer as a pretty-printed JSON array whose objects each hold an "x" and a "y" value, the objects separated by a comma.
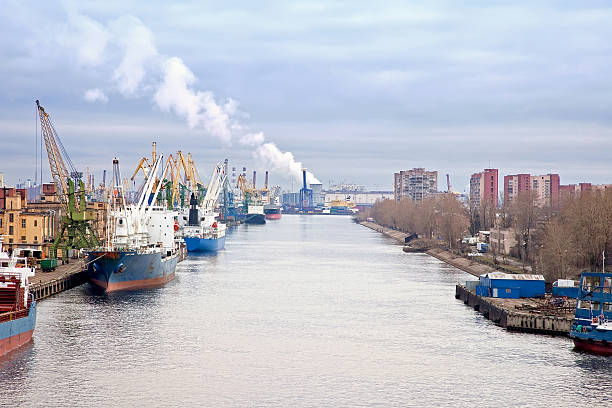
[
  {"x": 272, "y": 212},
  {"x": 592, "y": 327},
  {"x": 17, "y": 305},
  {"x": 140, "y": 250},
  {"x": 255, "y": 213},
  {"x": 203, "y": 234}
]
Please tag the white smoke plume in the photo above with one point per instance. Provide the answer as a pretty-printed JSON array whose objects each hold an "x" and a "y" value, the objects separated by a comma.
[
  {"x": 128, "y": 40},
  {"x": 95, "y": 95},
  {"x": 199, "y": 107},
  {"x": 252, "y": 139}
]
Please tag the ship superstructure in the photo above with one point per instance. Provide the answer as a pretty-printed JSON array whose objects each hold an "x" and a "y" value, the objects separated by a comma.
[
  {"x": 203, "y": 232},
  {"x": 140, "y": 250},
  {"x": 592, "y": 327}
]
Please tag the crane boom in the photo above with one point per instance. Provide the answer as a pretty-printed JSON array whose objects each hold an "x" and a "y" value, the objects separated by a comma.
[{"x": 56, "y": 162}]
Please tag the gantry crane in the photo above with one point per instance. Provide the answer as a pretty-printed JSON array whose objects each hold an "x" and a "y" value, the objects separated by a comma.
[{"x": 75, "y": 231}]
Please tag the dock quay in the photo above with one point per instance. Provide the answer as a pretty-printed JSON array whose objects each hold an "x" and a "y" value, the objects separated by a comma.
[
  {"x": 64, "y": 277},
  {"x": 528, "y": 315}
]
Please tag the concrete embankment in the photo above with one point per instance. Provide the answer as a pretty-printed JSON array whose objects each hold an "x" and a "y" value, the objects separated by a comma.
[{"x": 466, "y": 265}]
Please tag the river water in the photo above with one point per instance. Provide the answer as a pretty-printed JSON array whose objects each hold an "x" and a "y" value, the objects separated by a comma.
[{"x": 306, "y": 311}]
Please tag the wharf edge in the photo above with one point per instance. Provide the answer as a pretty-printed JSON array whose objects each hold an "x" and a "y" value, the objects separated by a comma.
[{"x": 68, "y": 276}]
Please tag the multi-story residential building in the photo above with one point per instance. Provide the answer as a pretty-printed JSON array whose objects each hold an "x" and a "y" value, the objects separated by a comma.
[
  {"x": 514, "y": 185},
  {"x": 23, "y": 227},
  {"x": 483, "y": 187},
  {"x": 571, "y": 190},
  {"x": 545, "y": 188},
  {"x": 416, "y": 184}
]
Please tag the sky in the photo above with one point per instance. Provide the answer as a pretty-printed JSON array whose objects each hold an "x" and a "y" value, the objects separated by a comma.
[{"x": 352, "y": 90}]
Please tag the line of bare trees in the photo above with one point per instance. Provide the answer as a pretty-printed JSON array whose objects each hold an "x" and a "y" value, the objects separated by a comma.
[
  {"x": 575, "y": 239},
  {"x": 441, "y": 217}
]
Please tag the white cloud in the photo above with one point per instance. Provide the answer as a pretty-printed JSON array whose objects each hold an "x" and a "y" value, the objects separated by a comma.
[
  {"x": 95, "y": 95},
  {"x": 87, "y": 37},
  {"x": 138, "y": 46}
]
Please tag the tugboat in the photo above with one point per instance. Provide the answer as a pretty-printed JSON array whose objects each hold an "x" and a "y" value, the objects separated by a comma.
[
  {"x": 17, "y": 305},
  {"x": 592, "y": 327},
  {"x": 140, "y": 250}
]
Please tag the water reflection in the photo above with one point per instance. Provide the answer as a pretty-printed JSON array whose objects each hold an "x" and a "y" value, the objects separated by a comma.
[{"x": 307, "y": 311}]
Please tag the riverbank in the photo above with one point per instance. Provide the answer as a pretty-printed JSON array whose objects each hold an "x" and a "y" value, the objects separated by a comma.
[
  {"x": 532, "y": 315},
  {"x": 466, "y": 265}
]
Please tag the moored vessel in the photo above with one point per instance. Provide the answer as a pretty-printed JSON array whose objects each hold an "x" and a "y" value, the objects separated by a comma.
[
  {"x": 17, "y": 305},
  {"x": 272, "y": 212},
  {"x": 140, "y": 250},
  {"x": 255, "y": 213},
  {"x": 203, "y": 233},
  {"x": 592, "y": 327}
]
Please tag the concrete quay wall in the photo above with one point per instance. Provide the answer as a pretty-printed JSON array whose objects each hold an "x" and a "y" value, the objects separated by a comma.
[{"x": 495, "y": 310}]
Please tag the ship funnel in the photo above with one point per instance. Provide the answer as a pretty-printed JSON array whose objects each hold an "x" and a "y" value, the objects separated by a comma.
[{"x": 193, "y": 211}]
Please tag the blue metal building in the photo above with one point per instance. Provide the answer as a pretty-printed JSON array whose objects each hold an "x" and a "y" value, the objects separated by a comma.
[{"x": 512, "y": 286}]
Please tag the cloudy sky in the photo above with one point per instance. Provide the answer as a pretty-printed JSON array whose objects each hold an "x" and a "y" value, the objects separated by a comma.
[{"x": 354, "y": 90}]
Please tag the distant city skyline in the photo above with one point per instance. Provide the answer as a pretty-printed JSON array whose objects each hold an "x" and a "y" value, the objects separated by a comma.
[{"x": 354, "y": 91}]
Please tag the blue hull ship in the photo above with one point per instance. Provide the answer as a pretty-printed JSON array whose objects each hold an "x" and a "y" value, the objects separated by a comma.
[
  {"x": 592, "y": 327},
  {"x": 130, "y": 270},
  {"x": 204, "y": 244},
  {"x": 16, "y": 328}
]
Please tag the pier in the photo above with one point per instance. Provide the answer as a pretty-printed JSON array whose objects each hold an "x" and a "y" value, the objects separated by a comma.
[
  {"x": 523, "y": 315},
  {"x": 64, "y": 277}
]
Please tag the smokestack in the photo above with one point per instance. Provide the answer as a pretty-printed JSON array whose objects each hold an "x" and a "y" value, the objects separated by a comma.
[
  {"x": 244, "y": 172},
  {"x": 254, "y": 178},
  {"x": 304, "y": 178},
  {"x": 266, "y": 184}
]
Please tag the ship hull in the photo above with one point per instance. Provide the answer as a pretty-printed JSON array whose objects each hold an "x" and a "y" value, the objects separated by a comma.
[
  {"x": 276, "y": 216},
  {"x": 204, "y": 244},
  {"x": 16, "y": 333},
  {"x": 129, "y": 270},
  {"x": 255, "y": 219},
  {"x": 594, "y": 346}
]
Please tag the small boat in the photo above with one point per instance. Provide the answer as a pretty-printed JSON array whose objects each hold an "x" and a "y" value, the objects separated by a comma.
[
  {"x": 17, "y": 305},
  {"x": 592, "y": 327}
]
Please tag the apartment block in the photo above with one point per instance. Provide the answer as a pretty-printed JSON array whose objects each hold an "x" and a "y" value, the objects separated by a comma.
[
  {"x": 416, "y": 184},
  {"x": 544, "y": 187},
  {"x": 484, "y": 188}
]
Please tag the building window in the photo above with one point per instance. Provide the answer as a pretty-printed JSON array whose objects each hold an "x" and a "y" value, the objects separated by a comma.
[
  {"x": 11, "y": 217},
  {"x": 36, "y": 223},
  {"x": 1, "y": 222},
  {"x": 23, "y": 223},
  {"x": 35, "y": 238},
  {"x": 10, "y": 230},
  {"x": 23, "y": 238}
]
